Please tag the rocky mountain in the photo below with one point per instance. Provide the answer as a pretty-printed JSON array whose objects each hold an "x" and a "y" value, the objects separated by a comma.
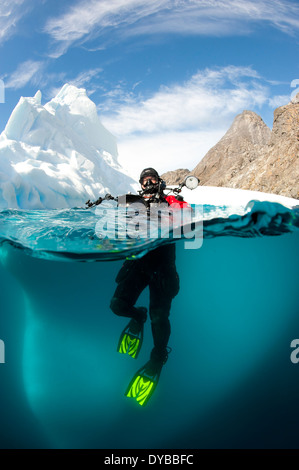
[
  {"x": 251, "y": 156},
  {"x": 176, "y": 176}
]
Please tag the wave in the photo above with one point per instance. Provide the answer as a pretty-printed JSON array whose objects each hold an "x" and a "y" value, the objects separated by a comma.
[{"x": 74, "y": 235}]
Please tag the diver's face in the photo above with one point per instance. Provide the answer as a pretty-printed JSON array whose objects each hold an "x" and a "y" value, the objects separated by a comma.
[{"x": 152, "y": 179}]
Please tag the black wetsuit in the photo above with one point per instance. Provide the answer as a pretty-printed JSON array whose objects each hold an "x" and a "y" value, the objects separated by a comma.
[{"x": 158, "y": 271}]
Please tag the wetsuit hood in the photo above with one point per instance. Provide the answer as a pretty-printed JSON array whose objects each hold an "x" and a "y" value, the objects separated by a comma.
[{"x": 148, "y": 172}]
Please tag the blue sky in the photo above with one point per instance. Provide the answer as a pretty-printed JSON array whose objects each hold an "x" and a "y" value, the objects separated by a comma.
[{"x": 168, "y": 76}]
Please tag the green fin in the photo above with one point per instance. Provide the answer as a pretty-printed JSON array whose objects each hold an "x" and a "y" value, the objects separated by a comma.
[
  {"x": 130, "y": 340},
  {"x": 144, "y": 382}
]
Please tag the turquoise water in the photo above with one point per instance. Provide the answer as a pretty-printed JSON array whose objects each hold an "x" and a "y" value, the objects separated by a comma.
[{"x": 229, "y": 380}]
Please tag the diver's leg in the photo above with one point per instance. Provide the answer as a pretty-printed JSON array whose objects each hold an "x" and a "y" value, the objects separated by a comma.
[
  {"x": 161, "y": 329},
  {"x": 164, "y": 285},
  {"x": 124, "y": 308},
  {"x": 145, "y": 380},
  {"x": 131, "y": 281},
  {"x": 163, "y": 288}
]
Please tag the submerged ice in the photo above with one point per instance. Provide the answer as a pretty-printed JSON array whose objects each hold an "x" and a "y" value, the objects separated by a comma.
[
  {"x": 58, "y": 155},
  {"x": 228, "y": 381},
  {"x": 232, "y": 323}
]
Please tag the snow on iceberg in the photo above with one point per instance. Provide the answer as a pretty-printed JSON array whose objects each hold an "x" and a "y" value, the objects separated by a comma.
[{"x": 58, "y": 155}]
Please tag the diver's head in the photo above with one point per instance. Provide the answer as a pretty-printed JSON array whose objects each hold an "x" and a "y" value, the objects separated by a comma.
[
  {"x": 148, "y": 174},
  {"x": 150, "y": 182}
]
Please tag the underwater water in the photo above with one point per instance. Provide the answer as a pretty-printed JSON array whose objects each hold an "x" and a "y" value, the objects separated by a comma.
[{"x": 228, "y": 382}]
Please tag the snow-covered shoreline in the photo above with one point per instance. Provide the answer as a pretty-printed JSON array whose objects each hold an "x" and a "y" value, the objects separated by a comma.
[{"x": 232, "y": 197}]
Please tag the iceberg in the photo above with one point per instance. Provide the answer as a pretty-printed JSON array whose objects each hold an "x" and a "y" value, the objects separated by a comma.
[{"x": 58, "y": 155}]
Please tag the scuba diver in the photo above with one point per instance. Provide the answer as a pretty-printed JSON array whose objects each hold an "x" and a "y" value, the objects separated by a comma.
[{"x": 157, "y": 270}]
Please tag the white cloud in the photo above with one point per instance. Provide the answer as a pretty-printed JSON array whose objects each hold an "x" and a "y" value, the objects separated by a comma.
[
  {"x": 11, "y": 11},
  {"x": 223, "y": 17},
  {"x": 95, "y": 16},
  {"x": 167, "y": 151},
  {"x": 29, "y": 71},
  {"x": 209, "y": 97},
  {"x": 92, "y": 18},
  {"x": 85, "y": 77},
  {"x": 178, "y": 124},
  {"x": 279, "y": 100},
  {"x": 32, "y": 72}
]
